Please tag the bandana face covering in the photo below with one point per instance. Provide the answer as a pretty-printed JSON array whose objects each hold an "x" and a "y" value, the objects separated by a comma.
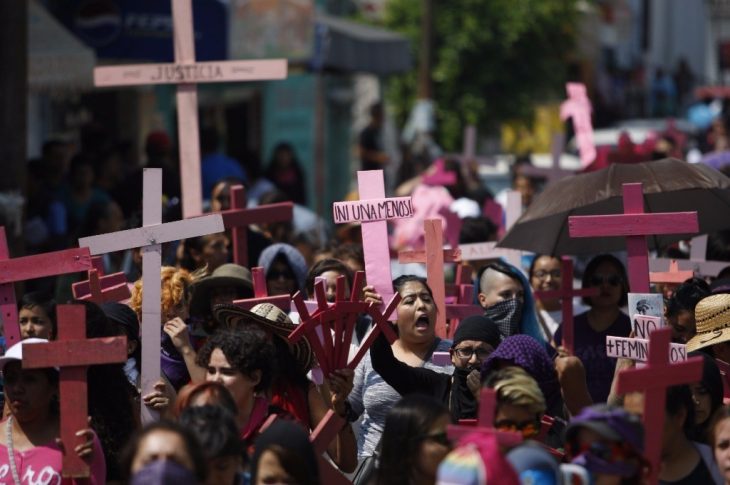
[
  {"x": 164, "y": 472},
  {"x": 596, "y": 465},
  {"x": 507, "y": 315}
]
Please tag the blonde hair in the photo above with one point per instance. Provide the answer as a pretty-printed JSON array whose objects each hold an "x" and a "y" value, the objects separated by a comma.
[
  {"x": 175, "y": 284},
  {"x": 515, "y": 386}
]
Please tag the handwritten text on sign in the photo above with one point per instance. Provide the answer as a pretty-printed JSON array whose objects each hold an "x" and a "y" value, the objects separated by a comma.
[
  {"x": 638, "y": 349},
  {"x": 135, "y": 74},
  {"x": 372, "y": 210},
  {"x": 645, "y": 324}
]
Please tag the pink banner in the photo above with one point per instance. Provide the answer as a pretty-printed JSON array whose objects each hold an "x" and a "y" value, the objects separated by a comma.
[{"x": 372, "y": 210}]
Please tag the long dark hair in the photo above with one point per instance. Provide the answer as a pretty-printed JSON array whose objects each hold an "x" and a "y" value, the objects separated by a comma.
[
  {"x": 406, "y": 424},
  {"x": 110, "y": 397}
]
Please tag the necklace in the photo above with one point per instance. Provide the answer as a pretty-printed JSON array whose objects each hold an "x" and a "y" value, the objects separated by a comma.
[{"x": 11, "y": 454}]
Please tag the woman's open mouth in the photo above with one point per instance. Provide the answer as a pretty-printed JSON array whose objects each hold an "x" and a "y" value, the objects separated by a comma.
[{"x": 422, "y": 323}]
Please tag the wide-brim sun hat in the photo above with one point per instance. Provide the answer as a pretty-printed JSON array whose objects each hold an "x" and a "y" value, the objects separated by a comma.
[
  {"x": 225, "y": 275},
  {"x": 272, "y": 318},
  {"x": 15, "y": 352},
  {"x": 712, "y": 317}
]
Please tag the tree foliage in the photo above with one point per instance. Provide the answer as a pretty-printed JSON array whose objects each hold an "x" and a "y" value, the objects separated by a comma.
[{"x": 493, "y": 60}]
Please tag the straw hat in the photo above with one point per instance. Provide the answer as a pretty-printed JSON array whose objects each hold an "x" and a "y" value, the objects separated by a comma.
[
  {"x": 273, "y": 319},
  {"x": 712, "y": 315},
  {"x": 230, "y": 275}
]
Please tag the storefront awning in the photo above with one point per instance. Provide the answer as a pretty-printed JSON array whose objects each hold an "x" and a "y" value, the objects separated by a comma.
[
  {"x": 349, "y": 46},
  {"x": 57, "y": 61}
]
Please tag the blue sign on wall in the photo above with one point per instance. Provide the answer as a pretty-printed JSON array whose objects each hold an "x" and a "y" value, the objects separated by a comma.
[{"x": 142, "y": 29}]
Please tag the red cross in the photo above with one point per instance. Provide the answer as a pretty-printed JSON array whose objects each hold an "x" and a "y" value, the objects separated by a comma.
[
  {"x": 74, "y": 353},
  {"x": 635, "y": 225},
  {"x": 261, "y": 294},
  {"x": 485, "y": 422},
  {"x": 653, "y": 380},
  {"x": 100, "y": 289},
  {"x": 674, "y": 275},
  {"x": 28, "y": 268}
]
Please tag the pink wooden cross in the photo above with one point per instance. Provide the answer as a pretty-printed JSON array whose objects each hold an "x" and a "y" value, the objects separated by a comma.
[
  {"x": 635, "y": 225},
  {"x": 554, "y": 172},
  {"x": 73, "y": 353},
  {"x": 434, "y": 256},
  {"x": 28, "y": 268},
  {"x": 330, "y": 328},
  {"x": 186, "y": 73},
  {"x": 374, "y": 210},
  {"x": 489, "y": 250},
  {"x": 100, "y": 289},
  {"x": 485, "y": 422},
  {"x": 673, "y": 276},
  {"x": 261, "y": 294},
  {"x": 697, "y": 261},
  {"x": 238, "y": 218},
  {"x": 150, "y": 238},
  {"x": 653, "y": 380},
  {"x": 578, "y": 107},
  {"x": 566, "y": 293},
  {"x": 460, "y": 301},
  {"x": 439, "y": 175}
]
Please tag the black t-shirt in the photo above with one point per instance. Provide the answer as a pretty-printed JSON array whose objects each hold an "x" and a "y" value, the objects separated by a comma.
[{"x": 700, "y": 474}]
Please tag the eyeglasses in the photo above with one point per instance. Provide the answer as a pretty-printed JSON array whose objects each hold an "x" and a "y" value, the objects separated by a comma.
[
  {"x": 467, "y": 352},
  {"x": 542, "y": 274},
  {"x": 441, "y": 438},
  {"x": 528, "y": 429},
  {"x": 599, "y": 279}
]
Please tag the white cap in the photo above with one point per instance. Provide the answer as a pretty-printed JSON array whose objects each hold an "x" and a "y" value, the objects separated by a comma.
[{"x": 16, "y": 351}]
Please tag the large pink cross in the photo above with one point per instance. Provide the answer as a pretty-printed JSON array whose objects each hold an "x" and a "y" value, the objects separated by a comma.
[
  {"x": 566, "y": 293},
  {"x": 635, "y": 225},
  {"x": 261, "y": 294},
  {"x": 186, "y": 73},
  {"x": 373, "y": 210},
  {"x": 28, "y": 268},
  {"x": 653, "y": 380},
  {"x": 485, "y": 422},
  {"x": 74, "y": 353},
  {"x": 434, "y": 257},
  {"x": 150, "y": 238},
  {"x": 238, "y": 218},
  {"x": 578, "y": 107}
]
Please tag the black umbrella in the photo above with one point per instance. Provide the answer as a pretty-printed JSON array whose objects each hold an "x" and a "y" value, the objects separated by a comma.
[{"x": 669, "y": 186}]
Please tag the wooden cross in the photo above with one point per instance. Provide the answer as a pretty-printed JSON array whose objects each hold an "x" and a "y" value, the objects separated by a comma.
[
  {"x": 434, "y": 257},
  {"x": 186, "y": 73},
  {"x": 261, "y": 294},
  {"x": 324, "y": 434},
  {"x": 697, "y": 261},
  {"x": 653, "y": 380},
  {"x": 330, "y": 328},
  {"x": 578, "y": 107},
  {"x": 100, "y": 289},
  {"x": 565, "y": 294},
  {"x": 150, "y": 238},
  {"x": 489, "y": 250},
  {"x": 460, "y": 300},
  {"x": 673, "y": 276},
  {"x": 554, "y": 172},
  {"x": 28, "y": 268},
  {"x": 485, "y": 422},
  {"x": 73, "y": 353},
  {"x": 439, "y": 175},
  {"x": 635, "y": 225},
  {"x": 238, "y": 218},
  {"x": 373, "y": 210}
]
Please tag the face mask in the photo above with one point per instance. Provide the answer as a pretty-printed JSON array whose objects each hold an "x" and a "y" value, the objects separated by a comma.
[
  {"x": 164, "y": 472},
  {"x": 507, "y": 314}
]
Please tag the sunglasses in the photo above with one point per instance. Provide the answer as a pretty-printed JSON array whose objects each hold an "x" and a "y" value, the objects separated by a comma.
[
  {"x": 467, "y": 352},
  {"x": 528, "y": 429},
  {"x": 441, "y": 438},
  {"x": 599, "y": 279}
]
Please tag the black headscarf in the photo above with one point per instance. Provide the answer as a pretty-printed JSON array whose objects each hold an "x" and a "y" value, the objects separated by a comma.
[
  {"x": 295, "y": 440},
  {"x": 712, "y": 381}
]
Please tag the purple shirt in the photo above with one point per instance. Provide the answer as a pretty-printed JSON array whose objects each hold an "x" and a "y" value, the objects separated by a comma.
[{"x": 590, "y": 348}]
